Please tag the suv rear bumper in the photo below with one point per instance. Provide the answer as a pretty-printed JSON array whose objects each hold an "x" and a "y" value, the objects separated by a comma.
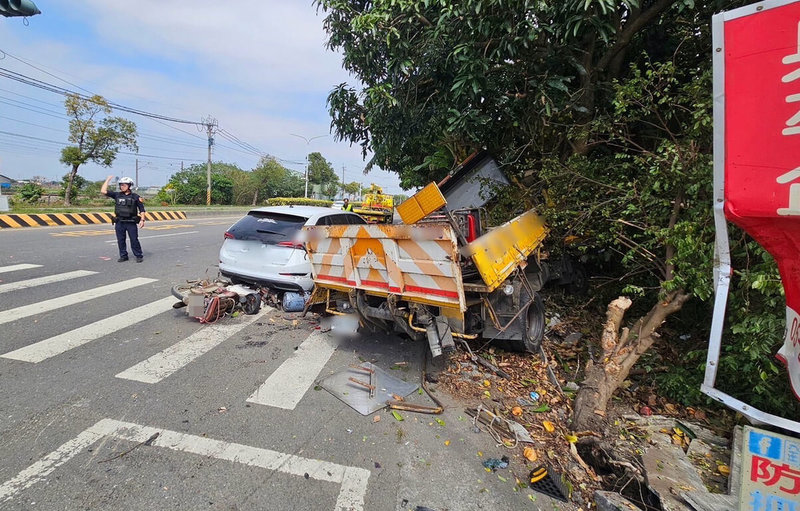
[{"x": 277, "y": 284}]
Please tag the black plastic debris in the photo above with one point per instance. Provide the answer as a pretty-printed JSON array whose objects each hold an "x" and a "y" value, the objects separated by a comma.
[
  {"x": 494, "y": 463},
  {"x": 545, "y": 481}
]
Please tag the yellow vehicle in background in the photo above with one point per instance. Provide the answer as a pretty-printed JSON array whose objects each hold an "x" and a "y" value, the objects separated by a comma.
[{"x": 376, "y": 207}]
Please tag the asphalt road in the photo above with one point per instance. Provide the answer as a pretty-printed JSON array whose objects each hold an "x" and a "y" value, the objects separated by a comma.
[{"x": 112, "y": 399}]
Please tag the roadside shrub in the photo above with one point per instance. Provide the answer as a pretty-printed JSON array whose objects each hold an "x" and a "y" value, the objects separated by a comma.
[
  {"x": 298, "y": 201},
  {"x": 30, "y": 193}
]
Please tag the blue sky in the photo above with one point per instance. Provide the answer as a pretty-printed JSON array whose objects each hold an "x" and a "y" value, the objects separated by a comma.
[{"x": 259, "y": 67}]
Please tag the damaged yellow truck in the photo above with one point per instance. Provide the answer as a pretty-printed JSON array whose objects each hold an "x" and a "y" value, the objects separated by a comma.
[{"x": 441, "y": 275}]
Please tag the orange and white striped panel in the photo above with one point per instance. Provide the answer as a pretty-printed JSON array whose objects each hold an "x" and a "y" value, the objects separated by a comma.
[{"x": 417, "y": 262}]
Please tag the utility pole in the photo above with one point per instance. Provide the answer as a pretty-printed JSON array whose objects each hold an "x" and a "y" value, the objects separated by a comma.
[
  {"x": 211, "y": 128},
  {"x": 136, "y": 181}
]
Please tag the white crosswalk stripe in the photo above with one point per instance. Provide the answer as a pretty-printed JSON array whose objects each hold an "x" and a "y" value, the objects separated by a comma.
[
  {"x": 61, "y": 343},
  {"x": 165, "y": 363},
  {"x": 284, "y": 388},
  {"x": 352, "y": 480},
  {"x": 15, "y": 267},
  {"x": 60, "y": 277},
  {"x": 64, "y": 301},
  {"x": 290, "y": 382}
]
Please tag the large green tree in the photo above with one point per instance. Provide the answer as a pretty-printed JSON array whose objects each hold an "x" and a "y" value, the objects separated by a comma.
[
  {"x": 189, "y": 186},
  {"x": 275, "y": 180},
  {"x": 320, "y": 171},
  {"x": 602, "y": 105},
  {"x": 97, "y": 137}
]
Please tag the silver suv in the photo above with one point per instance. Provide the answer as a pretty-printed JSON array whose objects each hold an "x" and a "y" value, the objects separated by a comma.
[{"x": 264, "y": 247}]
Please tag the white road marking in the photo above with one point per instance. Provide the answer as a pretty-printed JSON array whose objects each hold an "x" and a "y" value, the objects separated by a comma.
[
  {"x": 353, "y": 480},
  {"x": 57, "y": 345},
  {"x": 163, "y": 364},
  {"x": 159, "y": 236},
  {"x": 289, "y": 383},
  {"x": 42, "y": 468},
  {"x": 24, "y": 284},
  {"x": 64, "y": 301},
  {"x": 15, "y": 267}
]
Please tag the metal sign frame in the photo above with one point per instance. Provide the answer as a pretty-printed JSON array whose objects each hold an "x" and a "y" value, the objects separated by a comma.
[{"x": 722, "y": 259}]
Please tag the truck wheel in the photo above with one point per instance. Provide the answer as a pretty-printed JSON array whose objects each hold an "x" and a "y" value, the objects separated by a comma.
[
  {"x": 534, "y": 328},
  {"x": 534, "y": 332}
]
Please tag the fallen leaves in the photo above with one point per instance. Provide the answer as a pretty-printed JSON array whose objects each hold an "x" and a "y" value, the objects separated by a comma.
[{"x": 530, "y": 454}]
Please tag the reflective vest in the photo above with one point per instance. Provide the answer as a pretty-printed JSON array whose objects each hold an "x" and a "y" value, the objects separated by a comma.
[
  {"x": 125, "y": 206},
  {"x": 348, "y": 207}
]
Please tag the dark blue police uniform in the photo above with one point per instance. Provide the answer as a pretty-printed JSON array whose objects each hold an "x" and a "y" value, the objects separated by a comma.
[{"x": 127, "y": 207}]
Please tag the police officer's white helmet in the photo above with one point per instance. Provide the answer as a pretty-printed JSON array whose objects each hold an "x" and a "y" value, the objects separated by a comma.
[{"x": 125, "y": 181}]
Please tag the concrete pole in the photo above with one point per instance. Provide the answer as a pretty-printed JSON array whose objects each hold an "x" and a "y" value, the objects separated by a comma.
[
  {"x": 208, "y": 168},
  {"x": 306, "y": 177}
]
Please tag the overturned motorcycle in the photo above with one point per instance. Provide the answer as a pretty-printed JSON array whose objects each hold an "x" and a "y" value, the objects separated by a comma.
[{"x": 210, "y": 300}]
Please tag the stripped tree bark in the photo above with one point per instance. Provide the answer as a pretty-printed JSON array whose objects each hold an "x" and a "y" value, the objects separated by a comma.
[{"x": 622, "y": 348}]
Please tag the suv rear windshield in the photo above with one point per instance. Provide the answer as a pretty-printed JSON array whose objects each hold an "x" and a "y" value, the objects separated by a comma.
[{"x": 271, "y": 228}]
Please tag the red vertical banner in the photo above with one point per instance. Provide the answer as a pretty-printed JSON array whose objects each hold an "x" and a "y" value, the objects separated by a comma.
[{"x": 762, "y": 147}]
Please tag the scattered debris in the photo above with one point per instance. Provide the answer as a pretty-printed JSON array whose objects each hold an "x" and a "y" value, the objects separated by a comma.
[
  {"x": 350, "y": 387},
  {"x": 493, "y": 463},
  {"x": 545, "y": 481}
]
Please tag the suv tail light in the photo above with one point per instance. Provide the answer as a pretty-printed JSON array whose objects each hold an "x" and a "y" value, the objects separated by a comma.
[
  {"x": 228, "y": 236},
  {"x": 292, "y": 244}
]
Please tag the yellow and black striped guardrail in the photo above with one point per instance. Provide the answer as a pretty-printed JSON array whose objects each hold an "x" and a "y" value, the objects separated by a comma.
[{"x": 53, "y": 219}]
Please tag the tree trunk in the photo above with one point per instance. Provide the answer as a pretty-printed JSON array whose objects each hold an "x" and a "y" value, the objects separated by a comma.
[
  {"x": 621, "y": 351},
  {"x": 68, "y": 191},
  {"x": 255, "y": 198}
]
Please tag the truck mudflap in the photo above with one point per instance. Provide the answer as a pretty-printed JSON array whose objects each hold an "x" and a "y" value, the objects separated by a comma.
[{"x": 418, "y": 263}]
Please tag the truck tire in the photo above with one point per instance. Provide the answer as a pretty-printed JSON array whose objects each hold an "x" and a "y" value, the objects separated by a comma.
[{"x": 534, "y": 328}]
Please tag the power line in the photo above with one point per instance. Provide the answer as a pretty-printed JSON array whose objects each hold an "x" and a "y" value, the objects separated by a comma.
[
  {"x": 27, "y": 80},
  {"x": 119, "y": 152},
  {"x": 242, "y": 146},
  {"x": 32, "y": 108},
  {"x": 19, "y": 59},
  {"x": 32, "y": 124}
]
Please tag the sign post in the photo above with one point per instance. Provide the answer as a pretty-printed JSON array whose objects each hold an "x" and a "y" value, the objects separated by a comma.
[{"x": 757, "y": 165}]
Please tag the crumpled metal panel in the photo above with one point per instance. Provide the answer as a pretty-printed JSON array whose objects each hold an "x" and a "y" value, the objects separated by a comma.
[{"x": 357, "y": 396}]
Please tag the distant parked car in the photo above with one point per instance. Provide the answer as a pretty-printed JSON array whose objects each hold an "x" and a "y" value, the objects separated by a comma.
[
  {"x": 263, "y": 248},
  {"x": 337, "y": 204}
]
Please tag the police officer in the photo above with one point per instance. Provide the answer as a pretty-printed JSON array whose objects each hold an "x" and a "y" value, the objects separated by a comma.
[
  {"x": 347, "y": 206},
  {"x": 129, "y": 210}
]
